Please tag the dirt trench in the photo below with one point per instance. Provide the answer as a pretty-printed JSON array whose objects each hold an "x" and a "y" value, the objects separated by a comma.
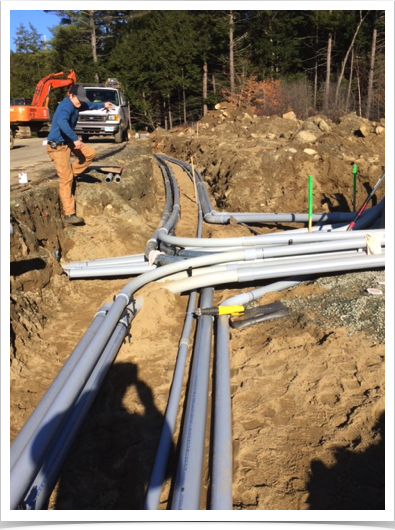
[{"x": 308, "y": 389}]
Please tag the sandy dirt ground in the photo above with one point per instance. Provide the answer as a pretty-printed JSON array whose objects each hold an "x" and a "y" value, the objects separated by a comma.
[{"x": 308, "y": 389}]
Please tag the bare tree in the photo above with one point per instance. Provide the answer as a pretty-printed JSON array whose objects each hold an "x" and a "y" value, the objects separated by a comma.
[
  {"x": 371, "y": 75},
  {"x": 88, "y": 21},
  {"x": 344, "y": 62},
  {"x": 184, "y": 103},
  {"x": 231, "y": 54},
  {"x": 170, "y": 114},
  {"x": 350, "y": 79},
  {"x": 328, "y": 72},
  {"x": 316, "y": 72},
  {"x": 204, "y": 88},
  {"x": 93, "y": 41}
]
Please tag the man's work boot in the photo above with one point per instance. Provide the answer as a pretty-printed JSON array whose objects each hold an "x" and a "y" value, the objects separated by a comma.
[{"x": 73, "y": 220}]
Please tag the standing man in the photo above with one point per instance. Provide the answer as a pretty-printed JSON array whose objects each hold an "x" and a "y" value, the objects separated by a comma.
[{"x": 63, "y": 142}]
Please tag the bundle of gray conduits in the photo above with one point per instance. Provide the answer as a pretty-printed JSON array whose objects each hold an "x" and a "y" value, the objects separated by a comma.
[{"x": 184, "y": 265}]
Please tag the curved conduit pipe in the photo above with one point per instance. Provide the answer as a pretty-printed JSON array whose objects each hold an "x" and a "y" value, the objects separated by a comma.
[
  {"x": 258, "y": 264},
  {"x": 64, "y": 397},
  {"x": 123, "y": 298},
  {"x": 172, "y": 203},
  {"x": 338, "y": 241},
  {"x": 178, "y": 502},
  {"x": 285, "y": 238},
  {"x": 158, "y": 473},
  {"x": 121, "y": 266},
  {"x": 30, "y": 427},
  {"x": 366, "y": 220},
  {"x": 47, "y": 476},
  {"x": 358, "y": 262},
  {"x": 211, "y": 216},
  {"x": 323, "y": 247}
]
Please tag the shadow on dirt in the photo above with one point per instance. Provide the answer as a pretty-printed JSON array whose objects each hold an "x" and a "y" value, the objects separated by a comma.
[
  {"x": 110, "y": 462},
  {"x": 355, "y": 482}
]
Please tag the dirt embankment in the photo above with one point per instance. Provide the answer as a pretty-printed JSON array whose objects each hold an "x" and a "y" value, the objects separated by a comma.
[{"x": 307, "y": 389}]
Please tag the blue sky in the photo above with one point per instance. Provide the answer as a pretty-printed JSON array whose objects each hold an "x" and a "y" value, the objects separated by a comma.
[{"x": 40, "y": 20}]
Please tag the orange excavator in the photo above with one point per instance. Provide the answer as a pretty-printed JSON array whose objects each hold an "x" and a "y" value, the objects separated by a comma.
[{"x": 35, "y": 114}]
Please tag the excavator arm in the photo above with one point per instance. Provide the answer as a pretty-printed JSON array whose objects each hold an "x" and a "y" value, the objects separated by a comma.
[
  {"x": 49, "y": 82},
  {"x": 33, "y": 117}
]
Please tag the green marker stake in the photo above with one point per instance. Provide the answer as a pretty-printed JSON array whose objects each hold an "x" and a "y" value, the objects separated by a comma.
[
  {"x": 310, "y": 202},
  {"x": 354, "y": 170}
]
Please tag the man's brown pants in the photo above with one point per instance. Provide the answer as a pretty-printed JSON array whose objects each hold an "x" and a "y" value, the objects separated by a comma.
[{"x": 67, "y": 171}]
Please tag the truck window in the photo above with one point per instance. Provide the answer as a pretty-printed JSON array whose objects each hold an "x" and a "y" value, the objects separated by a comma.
[{"x": 101, "y": 95}]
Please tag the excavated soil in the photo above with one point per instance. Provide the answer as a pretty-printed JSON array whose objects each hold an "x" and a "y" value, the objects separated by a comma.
[{"x": 308, "y": 389}]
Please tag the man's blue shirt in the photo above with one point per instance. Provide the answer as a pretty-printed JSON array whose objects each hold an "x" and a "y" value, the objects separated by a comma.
[{"x": 65, "y": 119}]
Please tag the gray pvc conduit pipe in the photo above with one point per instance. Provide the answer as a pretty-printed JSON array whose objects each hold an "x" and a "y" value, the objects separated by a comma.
[
  {"x": 33, "y": 422},
  {"x": 110, "y": 270},
  {"x": 123, "y": 298},
  {"x": 152, "y": 243},
  {"x": 317, "y": 248},
  {"x": 248, "y": 241},
  {"x": 117, "y": 179},
  {"x": 187, "y": 485},
  {"x": 109, "y": 177},
  {"x": 47, "y": 476},
  {"x": 357, "y": 262},
  {"x": 208, "y": 210},
  {"x": 257, "y": 253},
  {"x": 171, "y": 223},
  {"x": 29, "y": 459},
  {"x": 155, "y": 485},
  {"x": 221, "y": 483},
  {"x": 245, "y": 298},
  {"x": 204, "y": 198},
  {"x": 341, "y": 248},
  {"x": 158, "y": 473},
  {"x": 221, "y": 479},
  {"x": 258, "y": 264},
  {"x": 211, "y": 216},
  {"x": 369, "y": 216},
  {"x": 137, "y": 258},
  {"x": 24, "y": 468}
]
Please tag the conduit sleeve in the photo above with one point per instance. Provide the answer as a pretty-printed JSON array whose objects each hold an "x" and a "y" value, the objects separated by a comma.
[
  {"x": 245, "y": 241},
  {"x": 137, "y": 258},
  {"x": 279, "y": 270}
]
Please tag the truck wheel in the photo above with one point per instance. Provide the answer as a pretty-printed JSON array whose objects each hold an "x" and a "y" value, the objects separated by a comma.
[
  {"x": 84, "y": 138},
  {"x": 125, "y": 135},
  {"x": 118, "y": 136}
]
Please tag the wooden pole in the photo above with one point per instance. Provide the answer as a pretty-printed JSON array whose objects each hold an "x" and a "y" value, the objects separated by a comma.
[
  {"x": 354, "y": 170},
  {"x": 194, "y": 180}
]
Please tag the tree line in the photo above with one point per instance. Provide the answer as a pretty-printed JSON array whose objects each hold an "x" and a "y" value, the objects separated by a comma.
[{"x": 174, "y": 66}]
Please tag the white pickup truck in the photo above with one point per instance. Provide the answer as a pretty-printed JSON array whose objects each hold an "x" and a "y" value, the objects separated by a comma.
[{"x": 104, "y": 122}]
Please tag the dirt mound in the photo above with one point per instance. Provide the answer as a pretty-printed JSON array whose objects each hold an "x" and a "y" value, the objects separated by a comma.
[{"x": 307, "y": 389}]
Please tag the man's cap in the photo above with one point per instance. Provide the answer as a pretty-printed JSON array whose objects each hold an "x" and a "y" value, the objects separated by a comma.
[{"x": 79, "y": 91}]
